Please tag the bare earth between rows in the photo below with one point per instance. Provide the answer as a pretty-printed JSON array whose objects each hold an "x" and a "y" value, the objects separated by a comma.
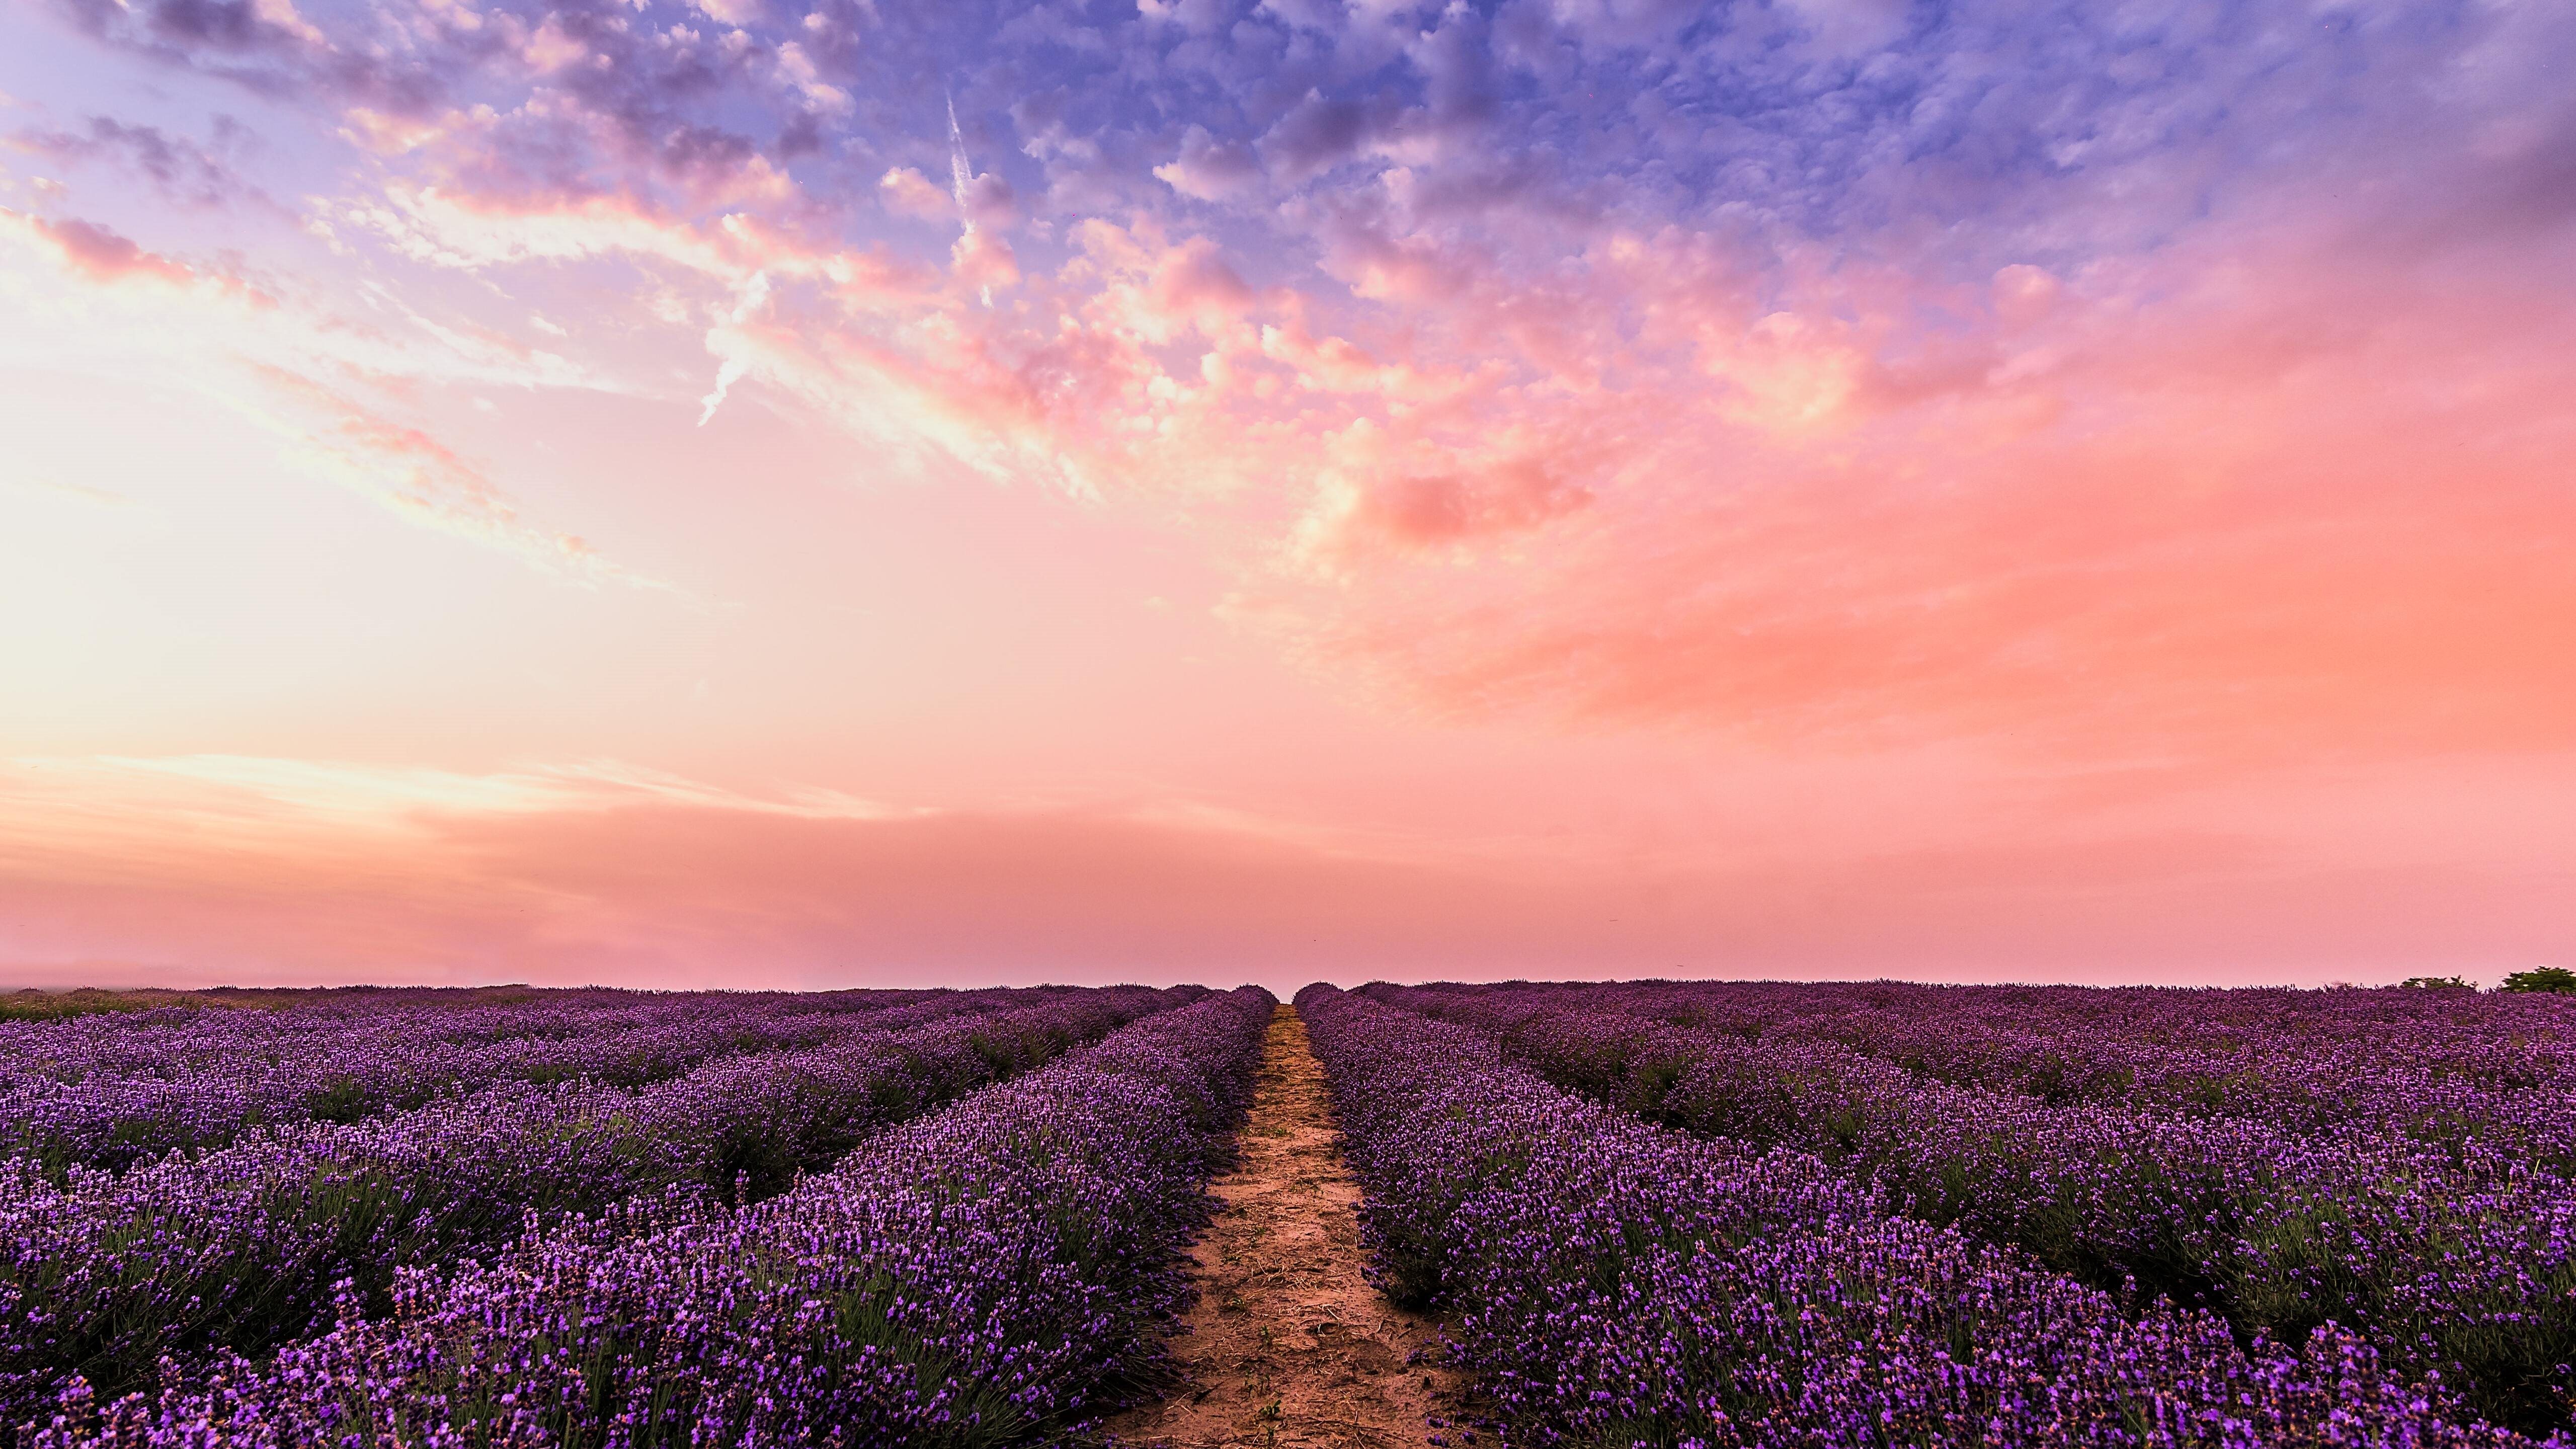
[{"x": 1289, "y": 1345}]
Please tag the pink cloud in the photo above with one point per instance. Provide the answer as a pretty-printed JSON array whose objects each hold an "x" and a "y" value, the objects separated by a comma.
[
  {"x": 1762, "y": 497},
  {"x": 102, "y": 255},
  {"x": 907, "y": 192},
  {"x": 566, "y": 879},
  {"x": 419, "y": 476},
  {"x": 984, "y": 261},
  {"x": 2181, "y": 506},
  {"x": 105, "y": 256},
  {"x": 1439, "y": 509}
]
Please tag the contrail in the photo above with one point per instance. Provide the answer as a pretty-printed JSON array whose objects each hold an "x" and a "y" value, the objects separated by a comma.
[{"x": 960, "y": 173}]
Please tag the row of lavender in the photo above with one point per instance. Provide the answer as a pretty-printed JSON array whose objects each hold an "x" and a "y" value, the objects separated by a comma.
[
  {"x": 1615, "y": 1282},
  {"x": 1003, "y": 1269},
  {"x": 2464, "y": 1076},
  {"x": 109, "y": 1091},
  {"x": 236, "y": 1250},
  {"x": 2453, "y": 1256},
  {"x": 2312, "y": 1060}
]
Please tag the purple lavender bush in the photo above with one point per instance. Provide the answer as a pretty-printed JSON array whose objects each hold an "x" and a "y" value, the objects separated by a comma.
[
  {"x": 2439, "y": 1063},
  {"x": 114, "y": 1091},
  {"x": 1618, "y": 1283},
  {"x": 2449, "y": 1257},
  {"x": 239, "y": 1249},
  {"x": 1001, "y": 1270}
]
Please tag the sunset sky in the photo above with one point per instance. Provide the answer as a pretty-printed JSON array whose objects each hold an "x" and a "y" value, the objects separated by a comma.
[{"x": 821, "y": 492}]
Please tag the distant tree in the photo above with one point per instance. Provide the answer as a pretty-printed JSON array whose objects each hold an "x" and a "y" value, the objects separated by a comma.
[
  {"x": 2437, "y": 983},
  {"x": 2556, "y": 979}
]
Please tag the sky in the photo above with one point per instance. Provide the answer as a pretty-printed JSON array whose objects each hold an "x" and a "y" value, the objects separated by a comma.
[{"x": 824, "y": 492}]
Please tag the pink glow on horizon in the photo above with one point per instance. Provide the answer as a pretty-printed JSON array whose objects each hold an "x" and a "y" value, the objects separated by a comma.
[{"x": 474, "y": 516}]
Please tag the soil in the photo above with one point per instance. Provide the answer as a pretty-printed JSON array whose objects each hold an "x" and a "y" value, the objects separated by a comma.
[{"x": 1288, "y": 1344}]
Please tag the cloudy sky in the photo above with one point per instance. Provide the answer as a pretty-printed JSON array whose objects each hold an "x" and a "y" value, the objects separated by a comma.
[{"x": 798, "y": 492}]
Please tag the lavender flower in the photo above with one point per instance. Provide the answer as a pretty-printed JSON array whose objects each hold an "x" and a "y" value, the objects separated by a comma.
[
  {"x": 1003, "y": 1268},
  {"x": 1617, "y": 1282}
]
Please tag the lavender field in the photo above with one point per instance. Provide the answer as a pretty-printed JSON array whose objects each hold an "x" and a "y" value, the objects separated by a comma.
[
  {"x": 1754, "y": 1214},
  {"x": 1671, "y": 1214},
  {"x": 893, "y": 1217}
]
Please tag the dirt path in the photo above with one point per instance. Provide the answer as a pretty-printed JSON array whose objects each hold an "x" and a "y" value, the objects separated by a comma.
[{"x": 1289, "y": 1345}]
